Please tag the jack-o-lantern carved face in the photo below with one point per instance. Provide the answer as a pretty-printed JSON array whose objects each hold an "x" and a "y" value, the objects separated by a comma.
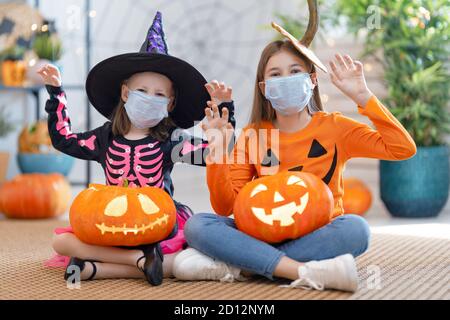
[
  {"x": 119, "y": 216},
  {"x": 284, "y": 213},
  {"x": 284, "y": 206}
]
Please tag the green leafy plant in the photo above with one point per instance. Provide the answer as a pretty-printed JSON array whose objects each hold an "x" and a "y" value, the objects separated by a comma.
[
  {"x": 6, "y": 125},
  {"x": 412, "y": 44},
  {"x": 12, "y": 53},
  {"x": 48, "y": 46}
]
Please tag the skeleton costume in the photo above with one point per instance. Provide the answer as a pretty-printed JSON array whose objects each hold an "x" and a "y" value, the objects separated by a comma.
[{"x": 144, "y": 162}]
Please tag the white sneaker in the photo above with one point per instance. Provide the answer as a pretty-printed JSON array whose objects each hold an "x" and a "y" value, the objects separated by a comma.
[
  {"x": 339, "y": 273},
  {"x": 191, "y": 264}
]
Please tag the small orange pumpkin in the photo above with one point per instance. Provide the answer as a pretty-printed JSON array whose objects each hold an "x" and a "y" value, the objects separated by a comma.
[
  {"x": 357, "y": 196},
  {"x": 284, "y": 206},
  {"x": 121, "y": 216},
  {"x": 13, "y": 73},
  {"x": 35, "y": 196},
  {"x": 35, "y": 139}
]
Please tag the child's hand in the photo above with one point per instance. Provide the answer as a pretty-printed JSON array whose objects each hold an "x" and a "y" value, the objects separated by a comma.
[
  {"x": 219, "y": 92},
  {"x": 51, "y": 75},
  {"x": 348, "y": 76},
  {"x": 218, "y": 131}
]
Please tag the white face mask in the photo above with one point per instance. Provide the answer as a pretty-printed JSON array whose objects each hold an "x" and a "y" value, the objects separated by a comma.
[
  {"x": 289, "y": 95},
  {"x": 146, "y": 111}
]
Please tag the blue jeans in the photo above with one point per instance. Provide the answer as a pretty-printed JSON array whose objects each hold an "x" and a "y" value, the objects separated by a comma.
[{"x": 218, "y": 237}]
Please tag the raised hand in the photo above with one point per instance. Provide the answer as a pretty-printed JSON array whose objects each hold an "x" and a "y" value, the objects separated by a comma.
[
  {"x": 219, "y": 92},
  {"x": 218, "y": 131},
  {"x": 51, "y": 75},
  {"x": 348, "y": 76}
]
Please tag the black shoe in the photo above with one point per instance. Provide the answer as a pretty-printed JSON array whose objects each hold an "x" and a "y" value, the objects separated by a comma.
[
  {"x": 81, "y": 265},
  {"x": 153, "y": 265}
]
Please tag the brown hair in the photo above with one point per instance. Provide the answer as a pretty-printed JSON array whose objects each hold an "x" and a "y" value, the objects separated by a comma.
[
  {"x": 121, "y": 124},
  {"x": 262, "y": 109}
]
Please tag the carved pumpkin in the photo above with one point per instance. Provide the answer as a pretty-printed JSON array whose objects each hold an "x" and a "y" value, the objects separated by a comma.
[
  {"x": 35, "y": 139},
  {"x": 285, "y": 206},
  {"x": 357, "y": 196},
  {"x": 35, "y": 196},
  {"x": 122, "y": 216}
]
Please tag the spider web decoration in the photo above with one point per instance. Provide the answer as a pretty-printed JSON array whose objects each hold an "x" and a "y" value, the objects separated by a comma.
[{"x": 223, "y": 39}]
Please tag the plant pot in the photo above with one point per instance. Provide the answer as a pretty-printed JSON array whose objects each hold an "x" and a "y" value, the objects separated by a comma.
[
  {"x": 45, "y": 163},
  {"x": 13, "y": 73},
  {"x": 417, "y": 187},
  {"x": 4, "y": 160}
]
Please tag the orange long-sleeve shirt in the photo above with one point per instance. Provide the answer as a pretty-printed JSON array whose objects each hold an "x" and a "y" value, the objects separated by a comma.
[{"x": 322, "y": 148}]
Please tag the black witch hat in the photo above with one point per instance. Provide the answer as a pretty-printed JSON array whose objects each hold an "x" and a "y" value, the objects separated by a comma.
[{"x": 103, "y": 84}]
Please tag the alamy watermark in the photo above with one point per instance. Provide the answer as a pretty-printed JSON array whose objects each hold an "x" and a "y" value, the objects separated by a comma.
[
  {"x": 373, "y": 281},
  {"x": 74, "y": 280},
  {"x": 373, "y": 17}
]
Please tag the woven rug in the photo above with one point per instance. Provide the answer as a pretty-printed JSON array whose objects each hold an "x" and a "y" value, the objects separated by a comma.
[{"x": 395, "y": 267}]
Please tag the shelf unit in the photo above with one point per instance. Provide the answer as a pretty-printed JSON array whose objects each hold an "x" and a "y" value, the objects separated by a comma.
[{"x": 35, "y": 91}]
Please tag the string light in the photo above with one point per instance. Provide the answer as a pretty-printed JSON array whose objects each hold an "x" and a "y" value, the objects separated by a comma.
[
  {"x": 44, "y": 28},
  {"x": 92, "y": 14},
  {"x": 368, "y": 67},
  {"x": 34, "y": 27}
]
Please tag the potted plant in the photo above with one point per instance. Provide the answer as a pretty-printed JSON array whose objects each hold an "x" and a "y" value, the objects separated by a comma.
[
  {"x": 412, "y": 44},
  {"x": 12, "y": 66},
  {"x": 5, "y": 128},
  {"x": 36, "y": 153},
  {"x": 48, "y": 49}
]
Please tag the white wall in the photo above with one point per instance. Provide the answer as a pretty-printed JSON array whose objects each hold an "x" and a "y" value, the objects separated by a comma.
[{"x": 223, "y": 38}]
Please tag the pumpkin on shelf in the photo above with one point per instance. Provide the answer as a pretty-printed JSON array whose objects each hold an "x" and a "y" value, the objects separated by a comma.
[
  {"x": 35, "y": 138},
  {"x": 122, "y": 216},
  {"x": 36, "y": 152},
  {"x": 35, "y": 196},
  {"x": 357, "y": 196},
  {"x": 284, "y": 206},
  {"x": 13, "y": 73},
  {"x": 13, "y": 67}
]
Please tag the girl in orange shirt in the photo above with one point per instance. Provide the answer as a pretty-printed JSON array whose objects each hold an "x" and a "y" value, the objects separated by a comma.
[{"x": 287, "y": 100}]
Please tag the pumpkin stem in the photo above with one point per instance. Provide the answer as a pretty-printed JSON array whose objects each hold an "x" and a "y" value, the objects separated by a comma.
[{"x": 125, "y": 183}]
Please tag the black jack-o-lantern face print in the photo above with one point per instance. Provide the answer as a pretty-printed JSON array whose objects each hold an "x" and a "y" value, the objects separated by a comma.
[{"x": 316, "y": 151}]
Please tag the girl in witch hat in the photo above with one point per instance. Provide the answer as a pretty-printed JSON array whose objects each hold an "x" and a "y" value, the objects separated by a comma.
[
  {"x": 148, "y": 98},
  {"x": 312, "y": 140}
]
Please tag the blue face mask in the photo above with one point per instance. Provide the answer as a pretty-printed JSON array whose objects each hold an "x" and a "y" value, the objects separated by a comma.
[
  {"x": 289, "y": 95},
  {"x": 146, "y": 111}
]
